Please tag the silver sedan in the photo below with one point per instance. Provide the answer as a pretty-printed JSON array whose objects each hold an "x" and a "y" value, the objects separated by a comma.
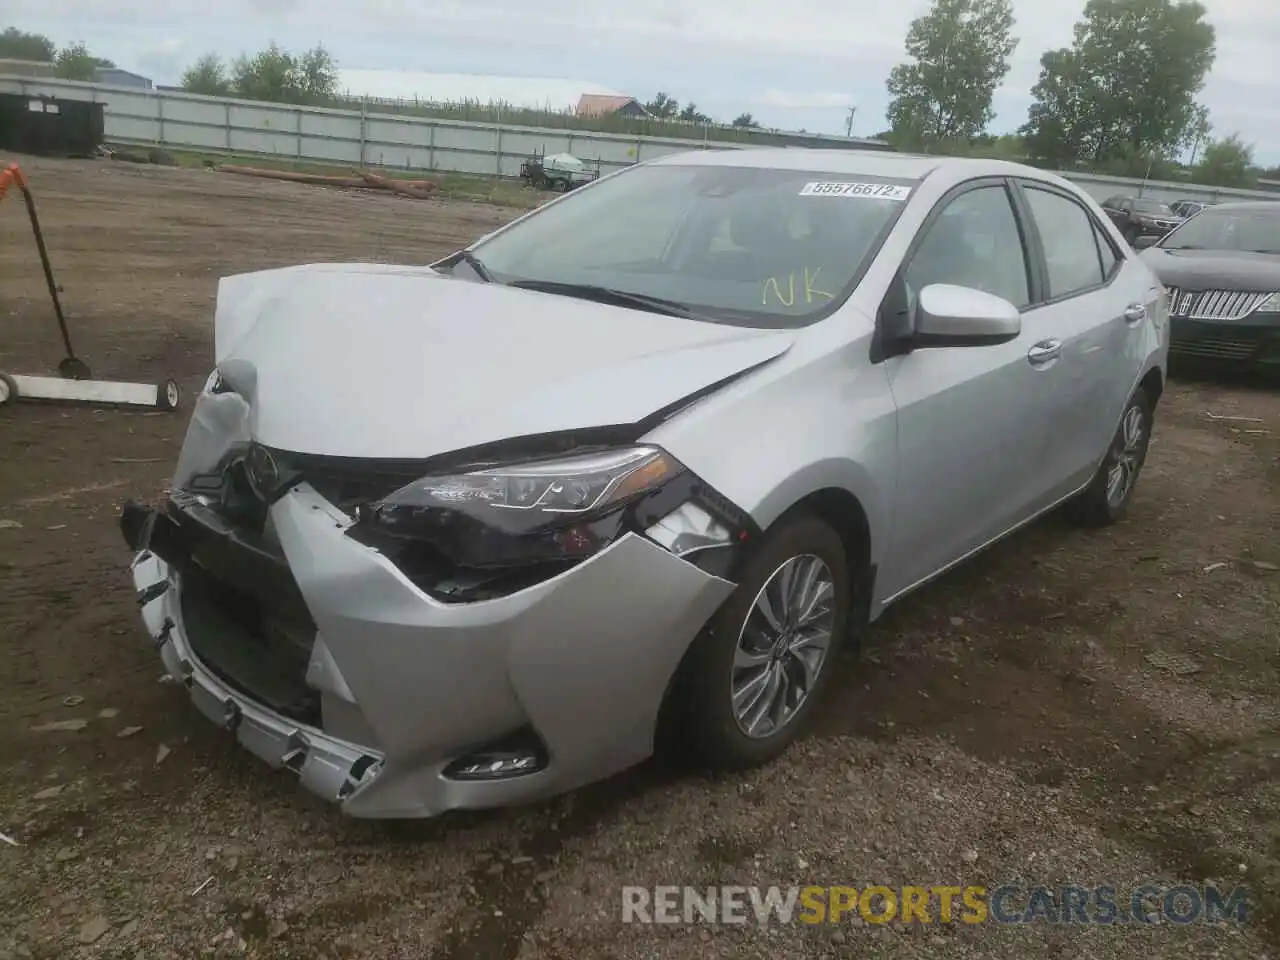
[{"x": 468, "y": 534}]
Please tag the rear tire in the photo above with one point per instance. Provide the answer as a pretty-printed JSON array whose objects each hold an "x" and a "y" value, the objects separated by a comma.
[
  {"x": 1107, "y": 497},
  {"x": 755, "y": 672}
]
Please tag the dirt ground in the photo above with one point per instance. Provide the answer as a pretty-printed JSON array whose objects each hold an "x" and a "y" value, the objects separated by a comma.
[{"x": 1071, "y": 708}]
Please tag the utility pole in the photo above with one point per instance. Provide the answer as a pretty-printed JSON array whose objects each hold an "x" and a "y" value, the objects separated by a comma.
[{"x": 848, "y": 123}]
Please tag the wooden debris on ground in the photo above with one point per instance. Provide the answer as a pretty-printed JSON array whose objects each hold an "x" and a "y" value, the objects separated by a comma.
[{"x": 363, "y": 179}]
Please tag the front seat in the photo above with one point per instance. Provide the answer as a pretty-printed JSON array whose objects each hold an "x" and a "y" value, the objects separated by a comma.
[
  {"x": 763, "y": 231},
  {"x": 946, "y": 256}
]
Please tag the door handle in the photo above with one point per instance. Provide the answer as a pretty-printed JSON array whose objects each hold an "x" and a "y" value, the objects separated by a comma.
[
  {"x": 1044, "y": 351},
  {"x": 1135, "y": 313}
]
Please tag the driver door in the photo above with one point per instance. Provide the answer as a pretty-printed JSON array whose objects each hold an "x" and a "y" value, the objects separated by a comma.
[{"x": 973, "y": 430}]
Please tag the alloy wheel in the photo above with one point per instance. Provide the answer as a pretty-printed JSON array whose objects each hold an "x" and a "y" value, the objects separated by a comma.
[
  {"x": 782, "y": 646},
  {"x": 1126, "y": 456}
]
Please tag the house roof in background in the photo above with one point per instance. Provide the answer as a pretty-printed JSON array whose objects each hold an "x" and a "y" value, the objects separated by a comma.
[
  {"x": 119, "y": 71},
  {"x": 597, "y": 104}
]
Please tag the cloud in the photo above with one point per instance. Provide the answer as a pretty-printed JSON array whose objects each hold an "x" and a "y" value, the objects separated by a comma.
[
  {"x": 165, "y": 57},
  {"x": 774, "y": 97}
]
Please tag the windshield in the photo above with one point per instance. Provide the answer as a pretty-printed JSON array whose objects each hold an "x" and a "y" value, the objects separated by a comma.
[
  {"x": 1153, "y": 207},
  {"x": 1215, "y": 229},
  {"x": 741, "y": 245}
]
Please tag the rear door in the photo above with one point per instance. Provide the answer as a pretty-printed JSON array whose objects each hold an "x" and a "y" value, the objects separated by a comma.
[{"x": 1096, "y": 302}]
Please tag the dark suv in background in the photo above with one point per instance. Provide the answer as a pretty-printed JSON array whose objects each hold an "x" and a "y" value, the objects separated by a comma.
[{"x": 1141, "y": 216}]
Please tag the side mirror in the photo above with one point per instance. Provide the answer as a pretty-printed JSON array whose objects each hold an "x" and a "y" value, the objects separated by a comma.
[
  {"x": 1144, "y": 241},
  {"x": 951, "y": 316}
]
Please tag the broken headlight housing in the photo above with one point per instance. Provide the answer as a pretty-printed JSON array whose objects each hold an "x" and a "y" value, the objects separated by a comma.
[{"x": 548, "y": 514}]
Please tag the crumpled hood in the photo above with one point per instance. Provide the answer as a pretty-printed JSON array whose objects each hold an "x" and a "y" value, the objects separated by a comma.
[
  {"x": 370, "y": 360},
  {"x": 1215, "y": 269}
]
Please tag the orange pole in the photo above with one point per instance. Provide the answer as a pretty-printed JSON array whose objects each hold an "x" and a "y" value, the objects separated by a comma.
[{"x": 10, "y": 175}]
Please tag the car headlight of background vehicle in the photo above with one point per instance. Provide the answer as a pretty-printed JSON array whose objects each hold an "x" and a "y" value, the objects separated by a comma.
[
  {"x": 1269, "y": 305},
  {"x": 552, "y": 511}
]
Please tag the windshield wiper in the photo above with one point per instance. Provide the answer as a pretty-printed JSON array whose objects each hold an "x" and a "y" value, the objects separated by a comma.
[
  {"x": 591, "y": 291},
  {"x": 474, "y": 262}
]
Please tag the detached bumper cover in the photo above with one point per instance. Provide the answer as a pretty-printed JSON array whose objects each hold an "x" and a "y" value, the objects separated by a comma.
[
  {"x": 1251, "y": 339},
  {"x": 408, "y": 684}
]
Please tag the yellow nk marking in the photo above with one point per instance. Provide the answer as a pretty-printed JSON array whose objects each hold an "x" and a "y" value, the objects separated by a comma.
[
  {"x": 789, "y": 300},
  {"x": 809, "y": 278}
]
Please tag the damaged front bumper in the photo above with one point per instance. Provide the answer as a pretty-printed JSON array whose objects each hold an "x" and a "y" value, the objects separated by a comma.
[{"x": 393, "y": 703}]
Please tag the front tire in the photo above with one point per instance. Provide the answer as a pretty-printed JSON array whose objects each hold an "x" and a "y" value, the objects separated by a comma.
[
  {"x": 1107, "y": 497},
  {"x": 766, "y": 656}
]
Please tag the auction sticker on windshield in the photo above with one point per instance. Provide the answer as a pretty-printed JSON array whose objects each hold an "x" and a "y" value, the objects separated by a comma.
[{"x": 870, "y": 191}]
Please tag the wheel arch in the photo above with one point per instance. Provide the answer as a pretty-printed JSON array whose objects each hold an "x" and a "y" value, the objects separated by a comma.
[
  {"x": 845, "y": 513},
  {"x": 1152, "y": 384}
]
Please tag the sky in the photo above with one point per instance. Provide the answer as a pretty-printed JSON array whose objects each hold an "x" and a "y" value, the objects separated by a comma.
[{"x": 794, "y": 65}]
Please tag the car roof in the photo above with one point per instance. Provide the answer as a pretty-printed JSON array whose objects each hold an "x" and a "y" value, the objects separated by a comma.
[{"x": 868, "y": 163}]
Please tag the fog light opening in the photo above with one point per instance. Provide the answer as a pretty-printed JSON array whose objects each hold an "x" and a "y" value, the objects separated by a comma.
[
  {"x": 364, "y": 769},
  {"x": 295, "y": 754},
  {"x": 517, "y": 755}
]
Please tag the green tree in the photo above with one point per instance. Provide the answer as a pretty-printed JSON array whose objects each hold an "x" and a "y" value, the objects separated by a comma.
[
  {"x": 317, "y": 77},
  {"x": 207, "y": 75},
  {"x": 692, "y": 114},
  {"x": 662, "y": 106},
  {"x": 1126, "y": 86},
  {"x": 1227, "y": 163},
  {"x": 1059, "y": 110},
  {"x": 16, "y": 44},
  {"x": 959, "y": 54},
  {"x": 270, "y": 74},
  {"x": 276, "y": 75},
  {"x": 1008, "y": 146},
  {"x": 747, "y": 122},
  {"x": 75, "y": 62}
]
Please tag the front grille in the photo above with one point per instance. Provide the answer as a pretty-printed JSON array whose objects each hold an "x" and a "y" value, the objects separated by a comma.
[
  {"x": 1214, "y": 348},
  {"x": 260, "y": 648},
  {"x": 1214, "y": 304},
  {"x": 243, "y": 613}
]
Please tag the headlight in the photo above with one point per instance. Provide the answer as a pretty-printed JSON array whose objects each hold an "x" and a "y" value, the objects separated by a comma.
[
  {"x": 1269, "y": 305},
  {"x": 549, "y": 511},
  {"x": 530, "y": 493}
]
